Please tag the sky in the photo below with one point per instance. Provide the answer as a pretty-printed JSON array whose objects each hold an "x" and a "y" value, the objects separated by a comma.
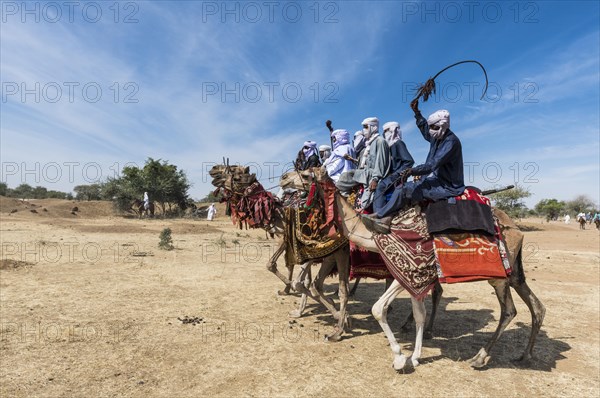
[{"x": 90, "y": 87}]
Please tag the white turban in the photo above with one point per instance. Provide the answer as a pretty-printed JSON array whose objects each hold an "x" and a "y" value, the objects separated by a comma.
[
  {"x": 392, "y": 132},
  {"x": 439, "y": 118},
  {"x": 373, "y": 126},
  {"x": 324, "y": 152},
  {"x": 323, "y": 148}
]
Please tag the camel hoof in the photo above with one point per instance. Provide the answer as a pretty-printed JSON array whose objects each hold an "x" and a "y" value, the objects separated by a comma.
[
  {"x": 399, "y": 362},
  {"x": 415, "y": 362},
  {"x": 295, "y": 314},
  {"x": 479, "y": 361},
  {"x": 525, "y": 361},
  {"x": 334, "y": 337},
  {"x": 284, "y": 292}
]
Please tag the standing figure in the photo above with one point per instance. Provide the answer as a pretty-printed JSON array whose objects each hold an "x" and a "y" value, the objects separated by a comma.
[{"x": 212, "y": 212}]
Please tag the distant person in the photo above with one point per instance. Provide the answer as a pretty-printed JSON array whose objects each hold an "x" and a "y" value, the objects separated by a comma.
[
  {"x": 146, "y": 201},
  {"x": 308, "y": 156},
  {"x": 324, "y": 153},
  {"x": 567, "y": 219},
  {"x": 337, "y": 163},
  {"x": 212, "y": 212}
]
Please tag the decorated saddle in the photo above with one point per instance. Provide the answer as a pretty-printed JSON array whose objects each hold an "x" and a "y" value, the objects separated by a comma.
[
  {"x": 416, "y": 257},
  {"x": 311, "y": 227}
]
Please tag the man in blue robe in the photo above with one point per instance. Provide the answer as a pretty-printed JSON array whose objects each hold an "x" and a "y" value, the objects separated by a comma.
[
  {"x": 443, "y": 168},
  {"x": 400, "y": 158}
]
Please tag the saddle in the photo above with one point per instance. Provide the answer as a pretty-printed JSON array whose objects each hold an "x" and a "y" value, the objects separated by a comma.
[{"x": 470, "y": 212}]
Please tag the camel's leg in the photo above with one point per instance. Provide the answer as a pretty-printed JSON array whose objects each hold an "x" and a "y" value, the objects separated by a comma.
[
  {"x": 299, "y": 286},
  {"x": 272, "y": 267},
  {"x": 342, "y": 258},
  {"x": 379, "y": 311},
  {"x": 508, "y": 312},
  {"x": 317, "y": 286},
  {"x": 353, "y": 290},
  {"x": 297, "y": 313},
  {"x": 436, "y": 297},
  {"x": 419, "y": 311},
  {"x": 536, "y": 308}
]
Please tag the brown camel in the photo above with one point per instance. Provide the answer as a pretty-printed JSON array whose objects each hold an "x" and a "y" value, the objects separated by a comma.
[
  {"x": 233, "y": 180},
  {"x": 357, "y": 233},
  {"x": 140, "y": 209}
]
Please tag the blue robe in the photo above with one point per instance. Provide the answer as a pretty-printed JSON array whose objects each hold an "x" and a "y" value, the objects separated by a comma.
[
  {"x": 444, "y": 167},
  {"x": 401, "y": 160}
]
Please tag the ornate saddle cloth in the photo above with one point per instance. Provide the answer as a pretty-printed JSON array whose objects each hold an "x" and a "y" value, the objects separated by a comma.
[
  {"x": 363, "y": 263},
  {"x": 254, "y": 206},
  {"x": 311, "y": 228},
  {"x": 416, "y": 259}
]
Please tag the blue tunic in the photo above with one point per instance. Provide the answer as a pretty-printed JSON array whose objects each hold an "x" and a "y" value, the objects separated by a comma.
[{"x": 444, "y": 163}]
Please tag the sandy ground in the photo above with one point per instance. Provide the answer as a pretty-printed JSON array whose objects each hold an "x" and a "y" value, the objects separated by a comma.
[{"x": 91, "y": 307}]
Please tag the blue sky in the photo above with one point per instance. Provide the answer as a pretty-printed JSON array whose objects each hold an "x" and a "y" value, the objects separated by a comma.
[{"x": 191, "y": 82}]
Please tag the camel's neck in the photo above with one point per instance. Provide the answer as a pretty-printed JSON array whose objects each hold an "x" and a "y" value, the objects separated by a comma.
[{"x": 353, "y": 227}]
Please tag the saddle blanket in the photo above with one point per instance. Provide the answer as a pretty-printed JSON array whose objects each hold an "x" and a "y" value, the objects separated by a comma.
[
  {"x": 408, "y": 252},
  {"x": 467, "y": 257}
]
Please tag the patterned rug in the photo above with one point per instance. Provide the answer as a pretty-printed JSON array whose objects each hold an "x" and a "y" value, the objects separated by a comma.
[
  {"x": 408, "y": 252},
  {"x": 467, "y": 257},
  {"x": 366, "y": 264},
  {"x": 363, "y": 263}
]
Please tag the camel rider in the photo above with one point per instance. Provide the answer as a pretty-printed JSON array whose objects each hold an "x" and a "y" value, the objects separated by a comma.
[
  {"x": 444, "y": 168},
  {"x": 401, "y": 160},
  {"x": 308, "y": 156},
  {"x": 338, "y": 163},
  {"x": 324, "y": 153},
  {"x": 359, "y": 143},
  {"x": 374, "y": 163}
]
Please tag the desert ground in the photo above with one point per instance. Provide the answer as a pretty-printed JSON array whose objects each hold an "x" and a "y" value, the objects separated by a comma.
[{"x": 90, "y": 306}]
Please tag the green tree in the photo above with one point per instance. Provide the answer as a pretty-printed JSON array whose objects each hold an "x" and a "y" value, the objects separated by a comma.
[
  {"x": 88, "y": 192},
  {"x": 23, "y": 191},
  {"x": 581, "y": 203},
  {"x": 211, "y": 198},
  {"x": 511, "y": 201},
  {"x": 3, "y": 189},
  {"x": 550, "y": 208},
  {"x": 166, "y": 186},
  {"x": 39, "y": 192}
]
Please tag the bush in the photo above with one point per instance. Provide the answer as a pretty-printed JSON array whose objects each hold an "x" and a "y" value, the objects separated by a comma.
[{"x": 166, "y": 241}]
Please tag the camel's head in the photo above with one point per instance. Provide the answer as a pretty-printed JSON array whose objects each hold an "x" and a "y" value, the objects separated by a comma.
[
  {"x": 303, "y": 179},
  {"x": 232, "y": 178}
]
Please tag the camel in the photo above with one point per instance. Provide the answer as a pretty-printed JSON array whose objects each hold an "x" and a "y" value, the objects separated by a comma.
[
  {"x": 354, "y": 229},
  {"x": 139, "y": 208},
  {"x": 233, "y": 179}
]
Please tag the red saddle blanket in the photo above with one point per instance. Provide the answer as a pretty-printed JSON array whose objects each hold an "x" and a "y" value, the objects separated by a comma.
[
  {"x": 416, "y": 259},
  {"x": 467, "y": 257}
]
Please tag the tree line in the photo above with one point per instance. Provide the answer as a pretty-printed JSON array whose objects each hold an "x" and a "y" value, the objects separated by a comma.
[
  {"x": 511, "y": 201},
  {"x": 166, "y": 185}
]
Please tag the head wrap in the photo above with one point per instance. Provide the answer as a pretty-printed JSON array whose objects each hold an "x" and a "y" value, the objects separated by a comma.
[
  {"x": 372, "y": 124},
  {"x": 340, "y": 137},
  {"x": 359, "y": 141},
  {"x": 309, "y": 149},
  {"x": 439, "y": 118},
  {"x": 392, "y": 132},
  {"x": 324, "y": 152}
]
